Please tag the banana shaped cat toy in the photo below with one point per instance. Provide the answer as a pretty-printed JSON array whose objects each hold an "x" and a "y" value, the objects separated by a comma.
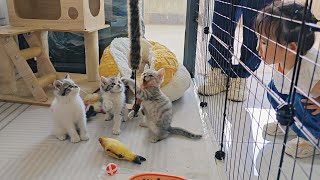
[{"x": 116, "y": 149}]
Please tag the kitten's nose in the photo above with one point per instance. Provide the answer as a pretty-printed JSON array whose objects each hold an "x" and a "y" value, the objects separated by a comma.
[{"x": 119, "y": 85}]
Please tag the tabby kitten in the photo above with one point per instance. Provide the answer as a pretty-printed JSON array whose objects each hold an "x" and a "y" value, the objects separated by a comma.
[
  {"x": 68, "y": 111},
  {"x": 157, "y": 107},
  {"x": 113, "y": 96}
]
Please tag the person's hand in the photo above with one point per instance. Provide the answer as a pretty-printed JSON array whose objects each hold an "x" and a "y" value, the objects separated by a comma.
[{"x": 311, "y": 105}]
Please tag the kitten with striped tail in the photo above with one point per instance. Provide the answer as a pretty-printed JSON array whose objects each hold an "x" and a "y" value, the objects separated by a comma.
[
  {"x": 68, "y": 111},
  {"x": 156, "y": 106}
]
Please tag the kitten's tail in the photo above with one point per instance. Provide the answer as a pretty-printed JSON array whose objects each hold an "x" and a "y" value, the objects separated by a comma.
[{"x": 183, "y": 132}]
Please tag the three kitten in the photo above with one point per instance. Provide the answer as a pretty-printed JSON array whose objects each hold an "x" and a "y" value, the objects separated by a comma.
[{"x": 68, "y": 111}]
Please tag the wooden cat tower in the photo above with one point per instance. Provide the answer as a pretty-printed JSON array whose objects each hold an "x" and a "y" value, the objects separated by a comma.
[{"x": 33, "y": 19}]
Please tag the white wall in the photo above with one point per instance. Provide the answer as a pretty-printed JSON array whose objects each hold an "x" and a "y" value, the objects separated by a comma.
[
  {"x": 165, "y": 11},
  {"x": 166, "y": 6}
]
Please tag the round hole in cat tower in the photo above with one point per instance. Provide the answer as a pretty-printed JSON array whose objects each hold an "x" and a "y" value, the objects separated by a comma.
[
  {"x": 73, "y": 13},
  {"x": 94, "y": 6}
]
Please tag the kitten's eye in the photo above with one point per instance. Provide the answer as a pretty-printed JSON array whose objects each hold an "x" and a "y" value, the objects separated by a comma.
[
  {"x": 113, "y": 84},
  {"x": 119, "y": 82},
  {"x": 150, "y": 75},
  {"x": 66, "y": 91}
]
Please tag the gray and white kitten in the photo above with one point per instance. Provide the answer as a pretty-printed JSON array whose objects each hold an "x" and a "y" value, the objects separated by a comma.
[
  {"x": 156, "y": 106},
  {"x": 113, "y": 96},
  {"x": 68, "y": 111}
]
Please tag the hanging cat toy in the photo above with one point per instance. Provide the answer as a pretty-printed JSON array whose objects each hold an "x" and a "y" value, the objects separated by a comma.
[{"x": 135, "y": 46}]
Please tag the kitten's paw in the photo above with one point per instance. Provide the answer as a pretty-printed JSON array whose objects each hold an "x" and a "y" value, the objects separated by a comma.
[
  {"x": 108, "y": 117},
  {"x": 131, "y": 115},
  {"x": 75, "y": 139},
  {"x": 116, "y": 131},
  {"x": 125, "y": 118},
  {"x": 125, "y": 81},
  {"x": 154, "y": 139},
  {"x": 143, "y": 124},
  {"x": 84, "y": 137},
  {"x": 61, "y": 137}
]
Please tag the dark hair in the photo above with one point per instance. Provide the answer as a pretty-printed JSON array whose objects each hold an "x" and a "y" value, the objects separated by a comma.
[{"x": 274, "y": 23}]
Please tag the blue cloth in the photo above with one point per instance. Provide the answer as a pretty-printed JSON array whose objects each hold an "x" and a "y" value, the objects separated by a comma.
[
  {"x": 309, "y": 121},
  {"x": 219, "y": 53}
]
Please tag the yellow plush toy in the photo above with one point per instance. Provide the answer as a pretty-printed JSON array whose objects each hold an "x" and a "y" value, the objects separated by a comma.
[
  {"x": 93, "y": 100},
  {"x": 115, "y": 59},
  {"x": 116, "y": 149}
]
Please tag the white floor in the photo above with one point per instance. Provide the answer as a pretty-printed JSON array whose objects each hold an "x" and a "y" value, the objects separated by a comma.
[{"x": 28, "y": 151}]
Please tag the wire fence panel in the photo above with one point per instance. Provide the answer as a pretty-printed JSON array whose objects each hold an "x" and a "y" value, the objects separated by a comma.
[{"x": 257, "y": 74}]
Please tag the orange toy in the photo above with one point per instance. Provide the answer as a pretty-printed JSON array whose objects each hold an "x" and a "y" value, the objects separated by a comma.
[{"x": 155, "y": 176}]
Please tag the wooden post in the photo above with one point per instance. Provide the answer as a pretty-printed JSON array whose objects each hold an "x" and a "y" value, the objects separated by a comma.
[
  {"x": 40, "y": 39},
  {"x": 7, "y": 73},
  {"x": 92, "y": 55},
  {"x": 43, "y": 35},
  {"x": 31, "y": 52}
]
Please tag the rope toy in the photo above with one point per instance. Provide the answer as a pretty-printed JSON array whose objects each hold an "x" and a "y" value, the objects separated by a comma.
[{"x": 135, "y": 46}]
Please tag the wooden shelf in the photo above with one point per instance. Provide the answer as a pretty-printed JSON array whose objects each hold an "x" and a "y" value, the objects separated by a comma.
[{"x": 11, "y": 30}]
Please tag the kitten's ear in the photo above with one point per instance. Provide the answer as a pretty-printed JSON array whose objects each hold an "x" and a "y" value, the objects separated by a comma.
[
  {"x": 161, "y": 72},
  {"x": 57, "y": 84},
  {"x": 103, "y": 80},
  {"x": 152, "y": 68},
  {"x": 67, "y": 76},
  {"x": 146, "y": 67}
]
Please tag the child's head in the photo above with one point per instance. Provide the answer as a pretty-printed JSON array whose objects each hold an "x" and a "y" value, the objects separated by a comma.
[{"x": 282, "y": 31}]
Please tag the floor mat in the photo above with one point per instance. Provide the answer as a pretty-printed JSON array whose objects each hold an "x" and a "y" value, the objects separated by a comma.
[{"x": 28, "y": 151}]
